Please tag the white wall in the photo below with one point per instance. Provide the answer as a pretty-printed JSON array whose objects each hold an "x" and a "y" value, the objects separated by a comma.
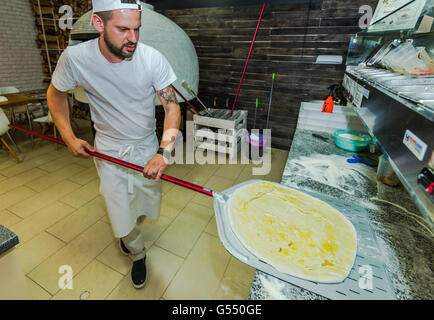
[{"x": 20, "y": 59}]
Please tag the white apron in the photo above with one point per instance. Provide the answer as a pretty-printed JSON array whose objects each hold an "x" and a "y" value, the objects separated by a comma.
[{"x": 128, "y": 194}]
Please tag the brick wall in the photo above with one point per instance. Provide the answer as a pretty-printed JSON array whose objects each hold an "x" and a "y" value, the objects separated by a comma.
[{"x": 20, "y": 59}]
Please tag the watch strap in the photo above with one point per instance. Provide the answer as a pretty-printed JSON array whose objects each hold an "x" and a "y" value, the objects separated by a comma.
[{"x": 165, "y": 153}]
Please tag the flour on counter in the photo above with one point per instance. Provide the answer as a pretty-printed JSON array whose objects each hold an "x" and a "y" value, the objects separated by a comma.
[
  {"x": 332, "y": 170},
  {"x": 274, "y": 287}
]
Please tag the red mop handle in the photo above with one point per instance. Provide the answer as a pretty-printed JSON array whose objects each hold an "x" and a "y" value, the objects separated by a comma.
[
  {"x": 248, "y": 57},
  {"x": 121, "y": 162},
  {"x": 191, "y": 106}
]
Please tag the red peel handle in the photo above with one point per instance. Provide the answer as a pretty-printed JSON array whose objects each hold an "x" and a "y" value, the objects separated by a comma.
[{"x": 121, "y": 162}]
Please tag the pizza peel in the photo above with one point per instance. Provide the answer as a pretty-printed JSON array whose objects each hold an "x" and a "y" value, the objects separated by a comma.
[
  {"x": 367, "y": 250},
  {"x": 227, "y": 236}
]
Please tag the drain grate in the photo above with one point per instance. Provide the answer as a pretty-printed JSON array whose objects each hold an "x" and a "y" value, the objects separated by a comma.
[{"x": 368, "y": 279}]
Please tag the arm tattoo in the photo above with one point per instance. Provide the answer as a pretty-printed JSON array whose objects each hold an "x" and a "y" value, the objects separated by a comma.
[{"x": 167, "y": 95}]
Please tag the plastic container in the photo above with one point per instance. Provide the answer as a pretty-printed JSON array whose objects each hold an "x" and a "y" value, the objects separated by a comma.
[{"x": 352, "y": 140}]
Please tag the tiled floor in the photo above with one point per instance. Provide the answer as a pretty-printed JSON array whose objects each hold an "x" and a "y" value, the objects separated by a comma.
[{"x": 51, "y": 201}]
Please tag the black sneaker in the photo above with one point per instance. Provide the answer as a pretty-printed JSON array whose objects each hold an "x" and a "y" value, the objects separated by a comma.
[
  {"x": 123, "y": 248},
  {"x": 138, "y": 273}
]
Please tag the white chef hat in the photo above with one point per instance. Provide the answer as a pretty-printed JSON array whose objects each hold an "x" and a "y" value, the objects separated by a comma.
[{"x": 108, "y": 5}]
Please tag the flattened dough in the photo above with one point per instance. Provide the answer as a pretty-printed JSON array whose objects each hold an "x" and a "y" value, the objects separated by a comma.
[{"x": 294, "y": 232}]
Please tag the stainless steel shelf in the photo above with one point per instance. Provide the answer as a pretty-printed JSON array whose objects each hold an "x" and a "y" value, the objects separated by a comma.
[
  {"x": 390, "y": 84},
  {"x": 387, "y": 116}
]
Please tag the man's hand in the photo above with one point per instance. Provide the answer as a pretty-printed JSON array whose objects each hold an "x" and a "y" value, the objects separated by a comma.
[
  {"x": 78, "y": 148},
  {"x": 155, "y": 167}
]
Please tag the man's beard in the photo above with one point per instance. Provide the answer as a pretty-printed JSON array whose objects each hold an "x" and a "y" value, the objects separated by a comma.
[{"x": 118, "y": 51}]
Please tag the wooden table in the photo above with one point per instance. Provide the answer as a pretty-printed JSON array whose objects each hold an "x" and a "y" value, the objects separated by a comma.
[{"x": 16, "y": 99}]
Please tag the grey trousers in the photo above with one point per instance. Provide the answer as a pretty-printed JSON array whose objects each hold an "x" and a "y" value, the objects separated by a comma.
[{"x": 135, "y": 241}]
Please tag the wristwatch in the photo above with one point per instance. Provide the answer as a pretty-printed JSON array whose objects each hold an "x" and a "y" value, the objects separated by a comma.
[{"x": 165, "y": 153}]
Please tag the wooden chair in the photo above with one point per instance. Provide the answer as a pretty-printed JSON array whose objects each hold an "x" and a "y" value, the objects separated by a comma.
[
  {"x": 4, "y": 128},
  {"x": 45, "y": 122}
]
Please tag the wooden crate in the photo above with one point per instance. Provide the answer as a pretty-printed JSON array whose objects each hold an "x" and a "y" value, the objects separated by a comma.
[{"x": 220, "y": 133}]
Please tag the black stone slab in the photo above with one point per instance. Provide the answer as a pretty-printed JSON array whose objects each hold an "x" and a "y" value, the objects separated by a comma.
[{"x": 8, "y": 239}]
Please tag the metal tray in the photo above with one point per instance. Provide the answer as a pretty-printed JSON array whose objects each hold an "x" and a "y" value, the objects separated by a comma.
[
  {"x": 428, "y": 80},
  {"x": 368, "y": 254},
  {"x": 413, "y": 88}
]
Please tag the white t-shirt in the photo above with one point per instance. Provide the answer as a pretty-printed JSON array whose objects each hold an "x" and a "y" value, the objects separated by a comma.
[{"x": 121, "y": 95}]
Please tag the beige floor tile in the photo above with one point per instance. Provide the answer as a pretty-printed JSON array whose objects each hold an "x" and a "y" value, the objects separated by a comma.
[
  {"x": 169, "y": 208},
  {"x": 30, "y": 227},
  {"x": 201, "y": 272},
  {"x": 237, "y": 281},
  {"x": 177, "y": 170},
  {"x": 201, "y": 173},
  {"x": 166, "y": 187},
  {"x": 2, "y": 178},
  {"x": 8, "y": 219},
  {"x": 214, "y": 183},
  {"x": 84, "y": 177},
  {"x": 86, "y": 163},
  {"x": 161, "y": 266},
  {"x": 83, "y": 195},
  {"x": 17, "y": 195},
  {"x": 232, "y": 290},
  {"x": 36, "y": 291},
  {"x": 175, "y": 200},
  {"x": 61, "y": 151},
  {"x": 59, "y": 163},
  {"x": 152, "y": 229},
  {"x": 34, "y": 252},
  {"x": 27, "y": 165},
  {"x": 77, "y": 254},
  {"x": 74, "y": 224},
  {"x": 274, "y": 175},
  {"x": 94, "y": 282},
  {"x": 279, "y": 155},
  {"x": 30, "y": 153},
  {"x": 247, "y": 174},
  {"x": 229, "y": 171},
  {"x": 115, "y": 259},
  {"x": 21, "y": 179},
  {"x": 43, "y": 199},
  {"x": 184, "y": 231},
  {"x": 240, "y": 272},
  {"x": 7, "y": 161},
  {"x": 105, "y": 219},
  {"x": 211, "y": 228},
  {"x": 50, "y": 179}
]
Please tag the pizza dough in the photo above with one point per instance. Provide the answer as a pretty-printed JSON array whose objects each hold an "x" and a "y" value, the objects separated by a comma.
[{"x": 294, "y": 232}]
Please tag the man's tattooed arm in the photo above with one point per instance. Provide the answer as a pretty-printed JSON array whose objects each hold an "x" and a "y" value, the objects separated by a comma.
[{"x": 167, "y": 95}]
